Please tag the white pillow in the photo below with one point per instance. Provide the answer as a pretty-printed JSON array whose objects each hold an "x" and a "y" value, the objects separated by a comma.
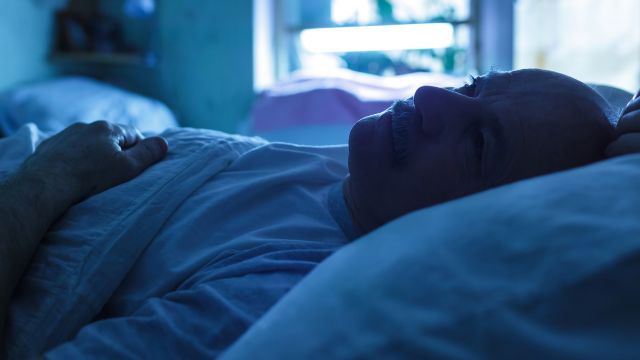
[
  {"x": 544, "y": 268},
  {"x": 53, "y": 105}
]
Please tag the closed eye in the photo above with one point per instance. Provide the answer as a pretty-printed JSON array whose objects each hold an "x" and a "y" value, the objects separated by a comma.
[{"x": 478, "y": 144}]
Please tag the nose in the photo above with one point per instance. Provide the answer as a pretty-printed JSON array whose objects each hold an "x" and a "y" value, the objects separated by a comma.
[{"x": 442, "y": 109}]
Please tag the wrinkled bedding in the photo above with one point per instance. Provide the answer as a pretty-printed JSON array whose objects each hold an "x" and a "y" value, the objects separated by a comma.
[
  {"x": 185, "y": 256},
  {"x": 541, "y": 269},
  {"x": 86, "y": 254}
]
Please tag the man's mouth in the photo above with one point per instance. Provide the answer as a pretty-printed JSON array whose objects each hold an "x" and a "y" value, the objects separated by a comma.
[{"x": 401, "y": 112}]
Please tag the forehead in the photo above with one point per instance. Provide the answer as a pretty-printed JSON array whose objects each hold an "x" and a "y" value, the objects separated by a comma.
[
  {"x": 543, "y": 91},
  {"x": 539, "y": 111},
  {"x": 539, "y": 82}
]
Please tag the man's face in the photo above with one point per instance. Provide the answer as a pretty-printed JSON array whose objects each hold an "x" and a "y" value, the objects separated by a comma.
[{"x": 446, "y": 143}]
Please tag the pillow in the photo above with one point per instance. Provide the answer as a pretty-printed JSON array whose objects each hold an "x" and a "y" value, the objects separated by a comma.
[
  {"x": 54, "y": 105},
  {"x": 544, "y": 268}
]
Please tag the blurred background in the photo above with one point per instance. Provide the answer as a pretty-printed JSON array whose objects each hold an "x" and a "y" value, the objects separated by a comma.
[{"x": 291, "y": 70}]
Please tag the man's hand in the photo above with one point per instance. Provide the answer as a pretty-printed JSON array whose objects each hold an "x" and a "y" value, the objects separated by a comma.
[
  {"x": 627, "y": 131},
  {"x": 86, "y": 159}
]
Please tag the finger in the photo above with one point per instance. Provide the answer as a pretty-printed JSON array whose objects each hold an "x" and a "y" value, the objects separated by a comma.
[
  {"x": 146, "y": 152},
  {"x": 629, "y": 123},
  {"x": 131, "y": 136},
  {"x": 625, "y": 144},
  {"x": 125, "y": 136}
]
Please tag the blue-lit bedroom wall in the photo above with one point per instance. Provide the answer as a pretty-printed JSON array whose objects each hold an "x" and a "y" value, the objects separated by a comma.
[
  {"x": 205, "y": 68},
  {"x": 25, "y": 37},
  {"x": 206, "y": 60}
]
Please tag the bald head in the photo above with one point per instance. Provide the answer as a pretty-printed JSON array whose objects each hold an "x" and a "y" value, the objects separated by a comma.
[{"x": 564, "y": 122}]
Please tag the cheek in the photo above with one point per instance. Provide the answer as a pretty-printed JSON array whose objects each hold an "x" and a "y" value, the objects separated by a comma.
[
  {"x": 358, "y": 158},
  {"x": 358, "y": 137},
  {"x": 435, "y": 175},
  {"x": 368, "y": 154}
]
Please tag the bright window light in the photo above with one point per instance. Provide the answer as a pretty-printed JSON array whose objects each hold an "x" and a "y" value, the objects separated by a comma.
[{"x": 377, "y": 38}]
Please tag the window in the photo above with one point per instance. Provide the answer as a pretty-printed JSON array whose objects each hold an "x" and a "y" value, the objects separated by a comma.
[
  {"x": 592, "y": 40},
  {"x": 382, "y": 37}
]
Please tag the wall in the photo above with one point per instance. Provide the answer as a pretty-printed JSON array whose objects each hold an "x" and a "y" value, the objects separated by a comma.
[
  {"x": 205, "y": 69},
  {"x": 207, "y": 60},
  {"x": 24, "y": 42},
  {"x": 205, "y": 48}
]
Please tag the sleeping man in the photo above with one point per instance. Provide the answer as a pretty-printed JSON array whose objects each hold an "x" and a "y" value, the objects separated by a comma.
[{"x": 180, "y": 261}]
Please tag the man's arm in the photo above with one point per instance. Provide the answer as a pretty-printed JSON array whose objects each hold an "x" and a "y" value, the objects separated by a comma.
[
  {"x": 27, "y": 209},
  {"x": 78, "y": 162}
]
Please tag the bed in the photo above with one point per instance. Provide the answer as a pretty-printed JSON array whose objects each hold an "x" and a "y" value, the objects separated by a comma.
[
  {"x": 486, "y": 276},
  {"x": 548, "y": 265}
]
